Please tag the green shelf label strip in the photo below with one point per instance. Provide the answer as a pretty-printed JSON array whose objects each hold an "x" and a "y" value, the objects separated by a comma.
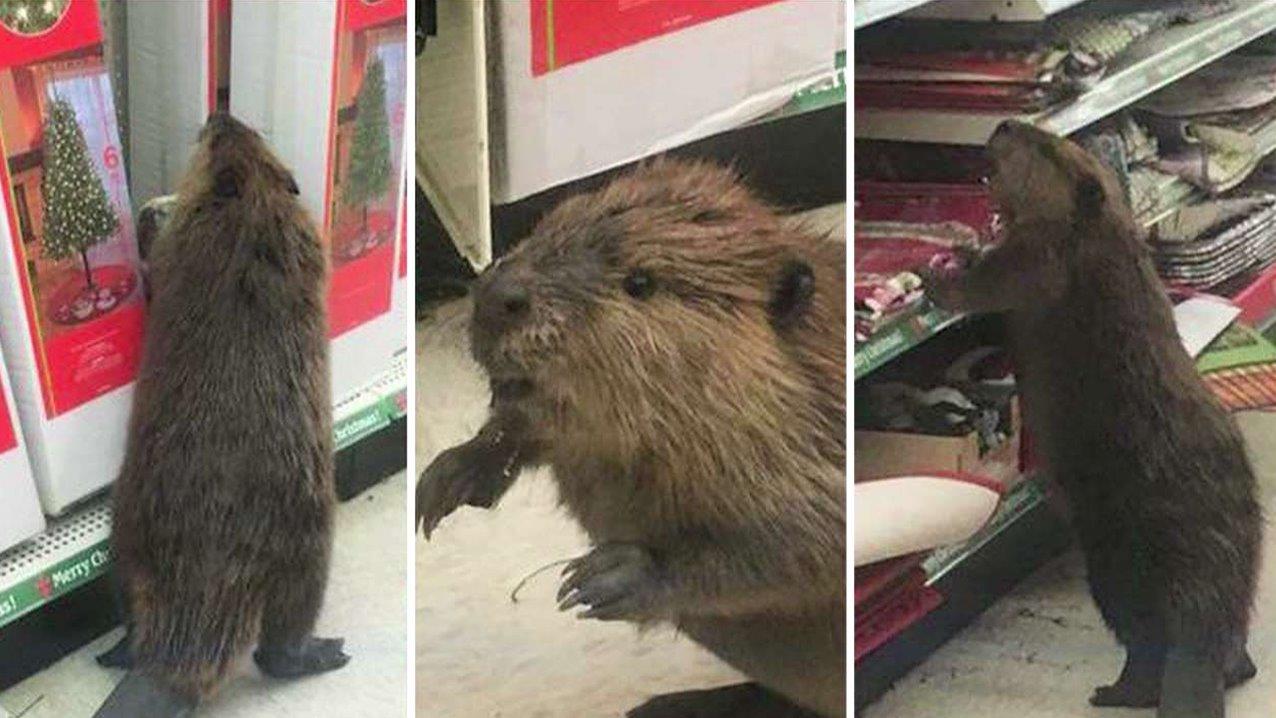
[
  {"x": 60, "y": 579},
  {"x": 92, "y": 562},
  {"x": 899, "y": 337}
]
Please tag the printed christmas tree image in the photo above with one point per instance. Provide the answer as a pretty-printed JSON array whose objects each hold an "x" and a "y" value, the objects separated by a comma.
[
  {"x": 368, "y": 177},
  {"x": 28, "y": 17},
  {"x": 77, "y": 215}
]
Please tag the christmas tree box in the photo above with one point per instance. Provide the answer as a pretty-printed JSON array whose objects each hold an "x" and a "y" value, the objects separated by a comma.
[
  {"x": 178, "y": 73},
  {"x": 402, "y": 302},
  {"x": 325, "y": 83},
  {"x": 580, "y": 86},
  {"x": 20, "y": 515},
  {"x": 71, "y": 306}
]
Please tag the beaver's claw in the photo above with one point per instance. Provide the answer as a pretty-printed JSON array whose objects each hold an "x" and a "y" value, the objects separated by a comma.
[
  {"x": 617, "y": 582},
  {"x": 472, "y": 473}
]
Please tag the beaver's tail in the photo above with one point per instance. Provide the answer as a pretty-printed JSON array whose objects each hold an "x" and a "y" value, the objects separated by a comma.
[
  {"x": 143, "y": 696},
  {"x": 190, "y": 642}
]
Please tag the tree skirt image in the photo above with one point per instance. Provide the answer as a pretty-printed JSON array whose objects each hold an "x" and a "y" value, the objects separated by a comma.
[
  {"x": 351, "y": 248},
  {"x": 75, "y": 303}
]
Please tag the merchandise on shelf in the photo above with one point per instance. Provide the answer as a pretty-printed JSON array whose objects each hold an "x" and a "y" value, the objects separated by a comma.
[
  {"x": 71, "y": 304},
  {"x": 1240, "y": 368},
  {"x": 964, "y": 419},
  {"x": 901, "y": 228},
  {"x": 576, "y": 83},
  {"x": 1016, "y": 68},
  {"x": 1207, "y": 244},
  {"x": 889, "y": 597},
  {"x": 178, "y": 73},
  {"x": 325, "y": 83}
]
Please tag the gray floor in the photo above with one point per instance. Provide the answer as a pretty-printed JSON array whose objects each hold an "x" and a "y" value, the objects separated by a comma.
[
  {"x": 1040, "y": 651},
  {"x": 366, "y": 603}
]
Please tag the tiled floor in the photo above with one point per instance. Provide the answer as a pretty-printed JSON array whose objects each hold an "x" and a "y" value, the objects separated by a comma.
[{"x": 365, "y": 603}]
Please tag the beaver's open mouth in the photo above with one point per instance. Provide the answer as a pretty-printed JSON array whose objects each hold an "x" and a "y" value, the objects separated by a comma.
[{"x": 1002, "y": 215}]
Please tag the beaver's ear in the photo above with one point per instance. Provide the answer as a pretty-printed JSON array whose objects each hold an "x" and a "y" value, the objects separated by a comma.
[
  {"x": 226, "y": 184},
  {"x": 792, "y": 293},
  {"x": 1089, "y": 196}
]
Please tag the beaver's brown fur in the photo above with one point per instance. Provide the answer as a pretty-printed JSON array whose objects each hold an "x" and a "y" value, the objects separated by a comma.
[
  {"x": 223, "y": 509},
  {"x": 677, "y": 356},
  {"x": 1162, "y": 494}
]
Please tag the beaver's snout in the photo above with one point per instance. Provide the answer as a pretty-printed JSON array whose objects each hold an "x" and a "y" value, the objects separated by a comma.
[{"x": 502, "y": 301}]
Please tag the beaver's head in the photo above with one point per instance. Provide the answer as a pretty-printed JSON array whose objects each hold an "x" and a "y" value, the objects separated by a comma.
[
  {"x": 671, "y": 283},
  {"x": 1041, "y": 178},
  {"x": 233, "y": 162}
]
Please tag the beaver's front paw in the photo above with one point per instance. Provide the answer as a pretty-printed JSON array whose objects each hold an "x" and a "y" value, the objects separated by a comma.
[
  {"x": 943, "y": 287},
  {"x": 617, "y": 582}
]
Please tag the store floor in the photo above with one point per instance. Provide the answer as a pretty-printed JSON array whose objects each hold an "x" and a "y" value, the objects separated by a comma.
[
  {"x": 365, "y": 604},
  {"x": 1040, "y": 650}
]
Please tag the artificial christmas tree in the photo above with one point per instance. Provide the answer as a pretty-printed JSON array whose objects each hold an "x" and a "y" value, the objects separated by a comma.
[
  {"x": 77, "y": 212},
  {"x": 370, "y": 170}
]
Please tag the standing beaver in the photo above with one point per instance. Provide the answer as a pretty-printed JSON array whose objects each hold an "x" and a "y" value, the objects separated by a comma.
[
  {"x": 677, "y": 356},
  {"x": 223, "y": 509},
  {"x": 1162, "y": 494}
]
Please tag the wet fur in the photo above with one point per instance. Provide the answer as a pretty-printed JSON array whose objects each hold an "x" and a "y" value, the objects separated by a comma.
[
  {"x": 703, "y": 424},
  {"x": 1161, "y": 491},
  {"x": 223, "y": 510}
]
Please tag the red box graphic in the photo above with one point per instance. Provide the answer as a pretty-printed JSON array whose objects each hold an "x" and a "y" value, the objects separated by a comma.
[{"x": 570, "y": 31}]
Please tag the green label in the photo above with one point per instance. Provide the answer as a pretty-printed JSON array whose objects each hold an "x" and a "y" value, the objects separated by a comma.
[
  {"x": 60, "y": 579},
  {"x": 365, "y": 422}
]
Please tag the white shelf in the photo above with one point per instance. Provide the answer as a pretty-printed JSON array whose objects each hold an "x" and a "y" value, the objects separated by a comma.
[
  {"x": 868, "y": 12},
  {"x": 993, "y": 10},
  {"x": 1149, "y": 66},
  {"x": 75, "y": 549}
]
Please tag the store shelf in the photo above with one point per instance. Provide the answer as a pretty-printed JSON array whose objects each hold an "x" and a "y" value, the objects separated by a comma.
[
  {"x": 868, "y": 12},
  {"x": 1031, "y": 534},
  {"x": 826, "y": 91},
  {"x": 1149, "y": 66},
  {"x": 999, "y": 11},
  {"x": 901, "y": 336},
  {"x": 74, "y": 550},
  {"x": 1022, "y": 498}
]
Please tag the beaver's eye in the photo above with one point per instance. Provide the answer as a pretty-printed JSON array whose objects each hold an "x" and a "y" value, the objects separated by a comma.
[{"x": 639, "y": 284}]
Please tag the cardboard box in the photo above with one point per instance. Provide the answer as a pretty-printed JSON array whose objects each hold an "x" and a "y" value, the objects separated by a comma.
[
  {"x": 20, "y": 515},
  {"x": 299, "y": 74},
  {"x": 586, "y": 85},
  {"x": 178, "y": 73},
  {"x": 71, "y": 307},
  {"x": 888, "y": 453}
]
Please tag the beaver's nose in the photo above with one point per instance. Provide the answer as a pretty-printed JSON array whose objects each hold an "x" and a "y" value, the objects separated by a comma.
[
  {"x": 503, "y": 299},
  {"x": 512, "y": 298}
]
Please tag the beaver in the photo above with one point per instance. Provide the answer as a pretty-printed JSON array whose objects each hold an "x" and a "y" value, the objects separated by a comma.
[
  {"x": 224, "y": 505},
  {"x": 1154, "y": 469},
  {"x": 676, "y": 354}
]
